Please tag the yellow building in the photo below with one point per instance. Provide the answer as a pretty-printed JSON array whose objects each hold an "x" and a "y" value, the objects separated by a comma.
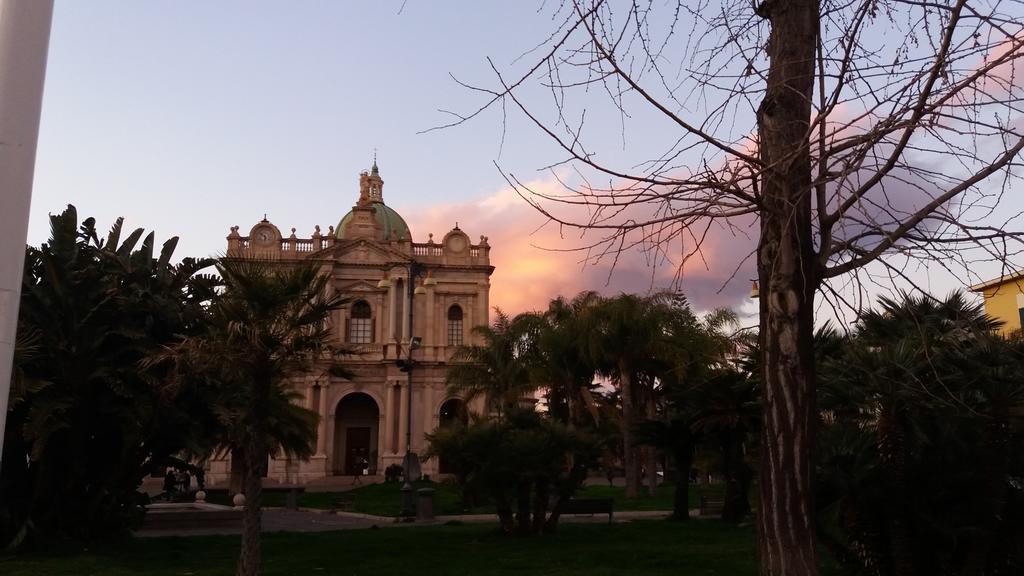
[{"x": 1004, "y": 300}]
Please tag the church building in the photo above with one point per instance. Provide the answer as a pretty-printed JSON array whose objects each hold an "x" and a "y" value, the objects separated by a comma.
[{"x": 372, "y": 259}]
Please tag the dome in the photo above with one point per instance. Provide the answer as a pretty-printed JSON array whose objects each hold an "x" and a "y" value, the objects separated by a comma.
[{"x": 388, "y": 219}]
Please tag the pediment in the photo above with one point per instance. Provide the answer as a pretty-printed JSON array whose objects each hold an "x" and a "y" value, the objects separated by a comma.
[
  {"x": 361, "y": 251},
  {"x": 357, "y": 286}
]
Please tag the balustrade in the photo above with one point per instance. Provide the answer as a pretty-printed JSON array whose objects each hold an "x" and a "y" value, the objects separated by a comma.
[
  {"x": 427, "y": 250},
  {"x": 431, "y": 250},
  {"x": 297, "y": 246}
]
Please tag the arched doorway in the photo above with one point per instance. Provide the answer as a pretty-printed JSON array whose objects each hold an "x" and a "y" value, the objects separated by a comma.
[
  {"x": 355, "y": 435},
  {"x": 453, "y": 412}
]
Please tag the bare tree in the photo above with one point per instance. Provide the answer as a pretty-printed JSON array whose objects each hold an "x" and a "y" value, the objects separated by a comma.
[{"x": 850, "y": 132}]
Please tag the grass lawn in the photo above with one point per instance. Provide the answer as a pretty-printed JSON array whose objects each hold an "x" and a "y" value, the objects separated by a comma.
[
  {"x": 652, "y": 547},
  {"x": 378, "y": 499},
  {"x": 660, "y": 500},
  {"x": 385, "y": 499}
]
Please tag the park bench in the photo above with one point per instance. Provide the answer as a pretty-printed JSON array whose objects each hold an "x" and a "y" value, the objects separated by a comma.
[
  {"x": 711, "y": 505},
  {"x": 587, "y": 506},
  {"x": 344, "y": 501}
]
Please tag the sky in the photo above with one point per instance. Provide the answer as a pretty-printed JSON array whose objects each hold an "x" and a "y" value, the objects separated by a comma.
[{"x": 188, "y": 118}]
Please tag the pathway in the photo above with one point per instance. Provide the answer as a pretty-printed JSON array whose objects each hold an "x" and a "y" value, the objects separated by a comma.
[{"x": 309, "y": 520}]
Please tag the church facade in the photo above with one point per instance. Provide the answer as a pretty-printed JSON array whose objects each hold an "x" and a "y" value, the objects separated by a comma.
[{"x": 368, "y": 422}]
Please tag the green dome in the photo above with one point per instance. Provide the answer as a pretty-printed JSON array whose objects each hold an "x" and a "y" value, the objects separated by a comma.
[{"x": 388, "y": 219}]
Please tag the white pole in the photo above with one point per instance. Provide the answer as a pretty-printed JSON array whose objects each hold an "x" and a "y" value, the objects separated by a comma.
[{"x": 24, "y": 39}]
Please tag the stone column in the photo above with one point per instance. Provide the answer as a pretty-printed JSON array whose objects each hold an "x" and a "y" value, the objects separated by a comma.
[
  {"x": 382, "y": 439},
  {"x": 407, "y": 305},
  {"x": 403, "y": 419},
  {"x": 321, "y": 432},
  {"x": 470, "y": 314},
  {"x": 378, "y": 333},
  {"x": 430, "y": 327},
  {"x": 485, "y": 293},
  {"x": 392, "y": 307},
  {"x": 419, "y": 439},
  {"x": 388, "y": 431}
]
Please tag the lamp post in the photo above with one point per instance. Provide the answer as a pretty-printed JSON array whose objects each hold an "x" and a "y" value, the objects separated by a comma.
[{"x": 411, "y": 462}]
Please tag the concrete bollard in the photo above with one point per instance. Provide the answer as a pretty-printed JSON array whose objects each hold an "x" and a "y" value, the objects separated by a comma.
[
  {"x": 408, "y": 502},
  {"x": 425, "y": 505}
]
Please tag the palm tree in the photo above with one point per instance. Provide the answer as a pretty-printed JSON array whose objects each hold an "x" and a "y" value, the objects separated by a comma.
[
  {"x": 690, "y": 364},
  {"x": 627, "y": 337},
  {"x": 498, "y": 368},
  {"x": 269, "y": 325},
  {"x": 926, "y": 402},
  {"x": 673, "y": 433},
  {"x": 558, "y": 359},
  {"x": 729, "y": 416}
]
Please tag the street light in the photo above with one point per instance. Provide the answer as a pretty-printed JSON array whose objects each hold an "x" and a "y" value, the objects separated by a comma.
[{"x": 411, "y": 462}]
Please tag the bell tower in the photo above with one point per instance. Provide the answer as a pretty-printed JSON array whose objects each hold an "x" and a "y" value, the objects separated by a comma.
[{"x": 371, "y": 186}]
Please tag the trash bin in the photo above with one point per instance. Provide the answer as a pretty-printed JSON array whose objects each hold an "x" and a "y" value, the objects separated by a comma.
[{"x": 425, "y": 504}]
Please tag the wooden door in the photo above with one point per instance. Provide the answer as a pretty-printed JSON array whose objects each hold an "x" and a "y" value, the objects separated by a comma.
[{"x": 357, "y": 450}]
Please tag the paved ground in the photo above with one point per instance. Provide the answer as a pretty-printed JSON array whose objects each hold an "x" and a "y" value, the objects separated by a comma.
[
  {"x": 344, "y": 483},
  {"x": 154, "y": 486},
  {"x": 282, "y": 520},
  {"x": 305, "y": 520},
  {"x": 311, "y": 520}
]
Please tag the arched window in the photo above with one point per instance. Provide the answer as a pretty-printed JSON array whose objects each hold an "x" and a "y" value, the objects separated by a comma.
[
  {"x": 360, "y": 325},
  {"x": 452, "y": 413},
  {"x": 455, "y": 325}
]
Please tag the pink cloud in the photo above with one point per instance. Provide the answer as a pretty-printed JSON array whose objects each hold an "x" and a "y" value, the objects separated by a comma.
[
  {"x": 535, "y": 261},
  {"x": 1005, "y": 77}
]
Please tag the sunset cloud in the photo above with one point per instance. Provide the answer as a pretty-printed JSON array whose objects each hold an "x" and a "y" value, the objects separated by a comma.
[{"x": 535, "y": 261}]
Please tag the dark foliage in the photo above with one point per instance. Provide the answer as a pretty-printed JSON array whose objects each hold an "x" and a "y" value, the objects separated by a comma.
[
  {"x": 85, "y": 425},
  {"x": 269, "y": 326},
  {"x": 921, "y": 453},
  {"x": 526, "y": 463}
]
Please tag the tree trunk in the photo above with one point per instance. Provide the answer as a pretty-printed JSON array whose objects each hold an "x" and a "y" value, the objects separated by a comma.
[
  {"x": 250, "y": 560},
  {"x": 737, "y": 502},
  {"x": 651, "y": 464},
  {"x": 540, "y": 505},
  {"x": 892, "y": 453},
  {"x": 523, "y": 523},
  {"x": 681, "y": 497},
  {"x": 629, "y": 459},
  {"x": 651, "y": 453},
  {"x": 787, "y": 270},
  {"x": 565, "y": 490},
  {"x": 505, "y": 516},
  {"x": 237, "y": 474},
  {"x": 551, "y": 523},
  {"x": 994, "y": 489}
]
